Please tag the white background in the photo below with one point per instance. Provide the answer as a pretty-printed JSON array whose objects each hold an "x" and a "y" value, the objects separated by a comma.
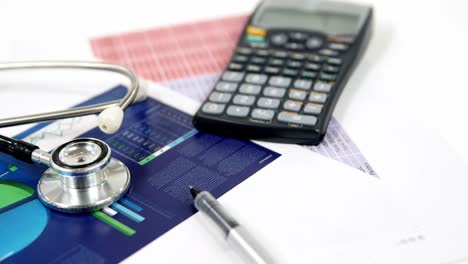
[{"x": 405, "y": 105}]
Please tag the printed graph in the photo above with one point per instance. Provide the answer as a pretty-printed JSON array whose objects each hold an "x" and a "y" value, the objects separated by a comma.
[{"x": 160, "y": 129}]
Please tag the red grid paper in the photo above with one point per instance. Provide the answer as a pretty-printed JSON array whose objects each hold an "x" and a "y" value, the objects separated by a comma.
[{"x": 174, "y": 52}]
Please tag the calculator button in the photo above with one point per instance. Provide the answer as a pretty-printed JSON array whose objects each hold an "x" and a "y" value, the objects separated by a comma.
[
  {"x": 292, "y": 105},
  {"x": 297, "y": 94},
  {"x": 239, "y": 58},
  {"x": 327, "y": 77},
  {"x": 309, "y": 74},
  {"x": 244, "y": 51},
  {"x": 253, "y": 68},
  {"x": 212, "y": 108},
  {"x": 268, "y": 102},
  {"x": 235, "y": 66},
  {"x": 258, "y": 45},
  {"x": 226, "y": 87},
  {"x": 272, "y": 70},
  {"x": 220, "y": 97},
  {"x": 279, "y": 39},
  {"x": 298, "y": 36},
  {"x": 290, "y": 72},
  {"x": 256, "y": 78},
  {"x": 330, "y": 69},
  {"x": 274, "y": 92},
  {"x": 262, "y": 53},
  {"x": 317, "y": 97},
  {"x": 256, "y": 31},
  {"x": 280, "y": 54},
  {"x": 243, "y": 100},
  {"x": 294, "y": 64},
  {"x": 254, "y": 39},
  {"x": 334, "y": 61},
  {"x": 232, "y": 76},
  {"x": 294, "y": 46},
  {"x": 297, "y": 119},
  {"x": 237, "y": 111},
  {"x": 314, "y": 43},
  {"x": 262, "y": 114},
  {"x": 315, "y": 58},
  {"x": 297, "y": 56},
  {"x": 328, "y": 52},
  {"x": 247, "y": 88},
  {"x": 313, "y": 109},
  {"x": 312, "y": 66},
  {"x": 303, "y": 84},
  {"x": 338, "y": 46},
  {"x": 280, "y": 81},
  {"x": 322, "y": 87},
  {"x": 258, "y": 60},
  {"x": 276, "y": 62}
]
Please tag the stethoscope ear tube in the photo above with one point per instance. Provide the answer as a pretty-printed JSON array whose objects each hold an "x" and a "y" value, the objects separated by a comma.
[
  {"x": 130, "y": 97},
  {"x": 21, "y": 150}
]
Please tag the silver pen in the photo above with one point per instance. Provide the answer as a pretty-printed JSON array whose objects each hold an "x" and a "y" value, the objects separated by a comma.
[{"x": 248, "y": 248}]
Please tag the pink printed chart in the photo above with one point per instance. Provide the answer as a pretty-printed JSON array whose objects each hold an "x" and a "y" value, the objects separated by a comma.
[{"x": 189, "y": 58}]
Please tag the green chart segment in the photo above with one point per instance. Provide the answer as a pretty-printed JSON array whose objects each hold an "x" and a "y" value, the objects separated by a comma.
[
  {"x": 12, "y": 192},
  {"x": 124, "y": 229}
]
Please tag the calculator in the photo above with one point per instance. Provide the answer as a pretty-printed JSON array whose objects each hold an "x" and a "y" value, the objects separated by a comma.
[{"x": 287, "y": 71}]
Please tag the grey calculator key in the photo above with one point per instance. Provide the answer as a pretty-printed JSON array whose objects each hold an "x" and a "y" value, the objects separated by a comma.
[
  {"x": 338, "y": 46},
  {"x": 237, "y": 111},
  {"x": 274, "y": 92},
  {"x": 240, "y": 58},
  {"x": 248, "y": 88},
  {"x": 244, "y": 99},
  {"x": 313, "y": 109},
  {"x": 244, "y": 51},
  {"x": 303, "y": 84},
  {"x": 212, "y": 108},
  {"x": 220, "y": 97},
  {"x": 280, "y": 54},
  {"x": 226, "y": 87},
  {"x": 297, "y": 119},
  {"x": 292, "y": 105},
  {"x": 253, "y": 68},
  {"x": 317, "y": 97},
  {"x": 272, "y": 70},
  {"x": 294, "y": 64},
  {"x": 268, "y": 102},
  {"x": 262, "y": 114},
  {"x": 322, "y": 87},
  {"x": 280, "y": 81},
  {"x": 298, "y": 56},
  {"x": 328, "y": 52},
  {"x": 235, "y": 66},
  {"x": 256, "y": 78},
  {"x": 297, "y": 94},
  {"x": 233, "y": 76}
]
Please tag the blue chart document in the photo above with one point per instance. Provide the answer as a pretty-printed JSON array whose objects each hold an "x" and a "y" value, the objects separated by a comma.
[{"x": 164, "y": 154}]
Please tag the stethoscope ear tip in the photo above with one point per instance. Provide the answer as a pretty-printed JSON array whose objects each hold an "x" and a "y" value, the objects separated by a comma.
[{"x": 110, "y": 120}]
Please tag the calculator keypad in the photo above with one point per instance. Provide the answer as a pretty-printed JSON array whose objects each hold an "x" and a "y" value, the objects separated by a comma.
[{"x": 288, "y": 83}]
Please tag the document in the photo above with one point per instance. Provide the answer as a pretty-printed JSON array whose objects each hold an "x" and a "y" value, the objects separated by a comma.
[{"x": 298, "y": 203}]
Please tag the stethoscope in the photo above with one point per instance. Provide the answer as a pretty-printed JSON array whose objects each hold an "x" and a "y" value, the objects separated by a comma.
[{"x": 82, "y": 175}]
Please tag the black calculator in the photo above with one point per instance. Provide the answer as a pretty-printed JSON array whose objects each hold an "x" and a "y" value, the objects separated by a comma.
[{"x": 287, "y": 72}]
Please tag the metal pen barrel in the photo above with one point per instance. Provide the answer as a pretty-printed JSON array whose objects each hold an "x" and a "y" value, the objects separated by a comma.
[{"x": 249, "y": 249}]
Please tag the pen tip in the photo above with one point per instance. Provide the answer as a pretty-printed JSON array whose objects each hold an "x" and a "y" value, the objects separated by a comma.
[{"x": 194, "y": 191}]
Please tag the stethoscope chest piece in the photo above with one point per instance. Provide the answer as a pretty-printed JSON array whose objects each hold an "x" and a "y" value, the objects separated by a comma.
[{"x": 83, "y": 177}]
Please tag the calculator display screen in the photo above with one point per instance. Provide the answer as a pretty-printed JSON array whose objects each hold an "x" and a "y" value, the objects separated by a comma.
[{"x": 327, "y": 22}]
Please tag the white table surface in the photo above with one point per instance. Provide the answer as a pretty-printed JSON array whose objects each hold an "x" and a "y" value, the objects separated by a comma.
[{"x": 405, "y": 106}]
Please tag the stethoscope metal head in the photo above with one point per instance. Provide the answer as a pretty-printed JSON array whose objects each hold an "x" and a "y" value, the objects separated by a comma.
[{"x": 83, "y": 177}]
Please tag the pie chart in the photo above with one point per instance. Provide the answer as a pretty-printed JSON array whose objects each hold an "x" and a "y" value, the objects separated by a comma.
[{"x": 22, "y": 217}]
